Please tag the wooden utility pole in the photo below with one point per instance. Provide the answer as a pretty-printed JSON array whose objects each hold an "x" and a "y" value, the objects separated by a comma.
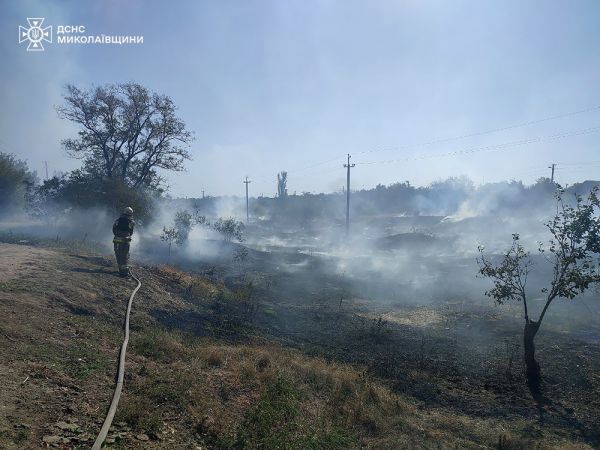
[
  {"x": 247, "y": 210},
  {"x": 552, "y": 167},
  {"x": 348, "y": 166},
  {"x": 203, "y": 193},
  {"x": 46, "y": 165}
]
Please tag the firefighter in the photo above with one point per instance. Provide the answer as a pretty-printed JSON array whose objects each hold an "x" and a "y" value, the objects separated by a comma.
[{"x": 123, "y": 229}]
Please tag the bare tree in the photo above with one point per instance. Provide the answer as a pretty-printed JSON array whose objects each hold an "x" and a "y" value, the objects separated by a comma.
[
  {"x": 126, "y": 133},
  {"x": 574, "y": 242},
  {"x": 282, "y": 184}
]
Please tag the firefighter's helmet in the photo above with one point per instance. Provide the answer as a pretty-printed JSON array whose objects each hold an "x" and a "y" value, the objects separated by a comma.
[{"x": 128, "y": 211}]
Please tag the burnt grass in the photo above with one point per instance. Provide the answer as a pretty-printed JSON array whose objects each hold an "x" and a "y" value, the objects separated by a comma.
[
  {"x": 468, "y": 360},
  {"x": 450, "y": 357}
]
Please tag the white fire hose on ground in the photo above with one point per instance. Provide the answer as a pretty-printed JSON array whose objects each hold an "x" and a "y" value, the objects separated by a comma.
[{"x": 120, "y": 375}]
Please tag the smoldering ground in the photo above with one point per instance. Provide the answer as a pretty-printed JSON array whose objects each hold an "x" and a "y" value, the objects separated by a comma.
[
  {"x": 392, "y": 260},
  {"x": 398, "y": 295}
]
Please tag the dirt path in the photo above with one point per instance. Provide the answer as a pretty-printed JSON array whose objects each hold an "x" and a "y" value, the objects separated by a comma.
[
  {"x": 17, "y": 260},
  {"x": 56, "y": 364}
]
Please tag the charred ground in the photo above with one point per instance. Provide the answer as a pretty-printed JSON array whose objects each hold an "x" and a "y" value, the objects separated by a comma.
[{"x": 227, "y": 358}]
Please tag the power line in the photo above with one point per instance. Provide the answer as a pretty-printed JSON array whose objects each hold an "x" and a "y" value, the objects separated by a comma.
[
  {"x": 494, "y": 130},
  {"x": 448, "y": 139},
  {"x": 562, "y": 169},
  {"x": 464, "y": 136},
  {"x": 337, "y": 158},
  {"x": 492, "y": 147},
  {"x": 588, "y": 163}
]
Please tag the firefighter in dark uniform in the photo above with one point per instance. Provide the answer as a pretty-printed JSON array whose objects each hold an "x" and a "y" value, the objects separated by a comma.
[{"x": 123, "y": 229}]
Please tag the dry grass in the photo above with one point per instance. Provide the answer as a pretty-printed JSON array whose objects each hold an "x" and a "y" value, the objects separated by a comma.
[
  {"x": 191, "y": 285},
  {"x": 264, "y": 396},
  {"x": 189, "y": 392}
]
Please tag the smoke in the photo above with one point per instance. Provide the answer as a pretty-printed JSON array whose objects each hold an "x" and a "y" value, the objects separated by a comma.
[
  {"x": 422, "y": 253},
  {"x": 64, "y": 224}
]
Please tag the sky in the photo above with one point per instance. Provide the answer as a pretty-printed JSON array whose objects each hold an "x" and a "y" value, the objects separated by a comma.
[{"x": 409, "y": 88}]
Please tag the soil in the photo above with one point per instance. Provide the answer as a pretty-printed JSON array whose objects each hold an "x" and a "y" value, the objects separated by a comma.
[{"x": 61, "y": 329}]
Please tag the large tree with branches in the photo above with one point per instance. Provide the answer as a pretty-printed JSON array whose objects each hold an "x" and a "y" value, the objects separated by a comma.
[
  {"x": 126, "y": 133},
  {"x": 572, "y": 253}
]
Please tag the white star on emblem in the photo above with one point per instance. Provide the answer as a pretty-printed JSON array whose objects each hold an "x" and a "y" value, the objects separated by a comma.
[{"x": 35, "y": 34}]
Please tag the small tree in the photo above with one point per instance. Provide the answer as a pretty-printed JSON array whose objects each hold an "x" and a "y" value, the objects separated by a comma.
[
  {"x": 575, "y": 240},
  {"x": 16, "y": 182},
  {"x": 230, "y": 229},
  {"x": 199, "y": 219},
  {"x": 282, "y": 184},
  {"x": 170, "y": 236},
  {"x": 183, "y": 225}
]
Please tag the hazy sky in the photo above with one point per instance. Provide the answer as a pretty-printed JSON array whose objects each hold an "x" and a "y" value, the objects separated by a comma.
[{"x": 285, "y": 85}]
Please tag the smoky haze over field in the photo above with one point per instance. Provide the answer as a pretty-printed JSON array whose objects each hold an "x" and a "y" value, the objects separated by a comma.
[
  {"x": 406, "y": 246},
  {"x": 352, "y": 219}
]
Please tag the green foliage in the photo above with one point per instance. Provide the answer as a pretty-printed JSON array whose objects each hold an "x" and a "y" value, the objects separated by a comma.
[
  {"x": 275, "y": 422},
  {"x": 126, "y": 133},
  {"x": 183, "y": 225},
  {"x": 155, "y": 344},
  {"x": 16, "y": 181},
  {"x": 178, "y": 234},
  {"x": 510, "y": 276},
  {"x": 158, "y": 390},
  {"x": 270, "y": 424},
  {"x": 82, "y": 361},
  {"x": 199, "y": 219},
  {"x": 233, "y": 311},
  {"x": 83, "y": 190},
  {"x": 170, "y": 236},
  {"x": 572, "y": 250},
  {"x": 575, "y": 241},
  {"x": 230, "y": 229}
]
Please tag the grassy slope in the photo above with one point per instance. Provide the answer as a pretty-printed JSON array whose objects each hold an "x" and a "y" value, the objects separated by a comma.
[{"x": 59, "y": 341}]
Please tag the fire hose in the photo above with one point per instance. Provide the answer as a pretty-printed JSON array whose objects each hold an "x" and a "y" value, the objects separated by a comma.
[{"x": 120, "y": 375}]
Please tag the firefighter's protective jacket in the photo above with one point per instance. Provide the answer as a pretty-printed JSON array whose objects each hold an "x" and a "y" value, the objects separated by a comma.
[{"x": 123, "y": 229}]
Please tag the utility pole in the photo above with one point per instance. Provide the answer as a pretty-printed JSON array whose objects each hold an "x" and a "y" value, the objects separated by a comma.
[
  {"x": 552, "y": 167},
  {"x": 247, "y": 213},
  {"x": 202, "y": 194},
  {"x": 46, "y": 165},
  {"x": 348, "y": 166}
]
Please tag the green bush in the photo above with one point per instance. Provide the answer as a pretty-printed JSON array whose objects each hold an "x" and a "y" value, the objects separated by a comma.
[
  {"x": 15, "y": 182},
  {"x": 82, "y": 190}
]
